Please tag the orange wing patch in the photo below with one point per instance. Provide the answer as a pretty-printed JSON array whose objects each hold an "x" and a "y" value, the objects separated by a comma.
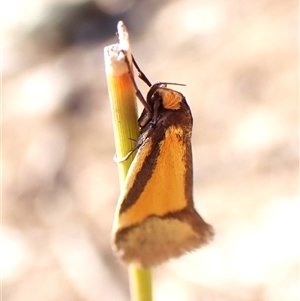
[{"x": 165, "y": 191}]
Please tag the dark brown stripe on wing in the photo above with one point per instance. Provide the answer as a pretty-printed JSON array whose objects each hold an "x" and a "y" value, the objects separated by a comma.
[
  {"x": 146, "y": 171},
  {"x": 188, "y": 215}
]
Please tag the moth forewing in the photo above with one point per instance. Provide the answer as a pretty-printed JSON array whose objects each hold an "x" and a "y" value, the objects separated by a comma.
[{"x": 155, "y": 219}]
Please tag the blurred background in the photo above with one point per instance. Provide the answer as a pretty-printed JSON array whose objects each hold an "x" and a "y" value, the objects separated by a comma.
[{"x": 239, "y": 60}]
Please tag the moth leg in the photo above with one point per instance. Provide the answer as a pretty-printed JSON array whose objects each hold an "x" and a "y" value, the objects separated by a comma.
[
  {"x": 138, "y": 93},
  {"x": 119, "y": 160},
  {"x": 157, "y": 104},
  {"x": 141, "y": 74}
]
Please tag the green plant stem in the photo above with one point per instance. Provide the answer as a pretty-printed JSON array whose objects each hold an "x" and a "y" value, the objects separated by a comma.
[
  {"x": 124, "y": 115},
  {"x": 140, "y": 284}
]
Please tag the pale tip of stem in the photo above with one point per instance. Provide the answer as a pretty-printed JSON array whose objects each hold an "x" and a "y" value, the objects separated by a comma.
[
  {"x": 123, "y": 36},
  {"x": 114, "y": 54}
]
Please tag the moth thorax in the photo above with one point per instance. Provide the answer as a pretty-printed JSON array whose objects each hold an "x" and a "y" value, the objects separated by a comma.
[{"x": 171, "y": 99}]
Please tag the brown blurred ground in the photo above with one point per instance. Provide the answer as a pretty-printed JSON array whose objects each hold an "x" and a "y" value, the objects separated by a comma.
[{"x": 239, "y": 60}]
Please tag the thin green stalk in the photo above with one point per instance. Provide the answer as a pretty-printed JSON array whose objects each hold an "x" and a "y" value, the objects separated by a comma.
[
  {"x": 140, "y": 284},
  {"x": 124, "y": 115}
]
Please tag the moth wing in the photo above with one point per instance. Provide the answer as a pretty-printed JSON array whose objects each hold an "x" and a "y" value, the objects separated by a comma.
[
  {"x": 155, "y": 219},
  {"x": 156, "y": 183}
]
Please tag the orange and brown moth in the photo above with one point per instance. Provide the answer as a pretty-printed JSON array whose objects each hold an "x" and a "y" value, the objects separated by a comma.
[{"x": 155, "y": 219}]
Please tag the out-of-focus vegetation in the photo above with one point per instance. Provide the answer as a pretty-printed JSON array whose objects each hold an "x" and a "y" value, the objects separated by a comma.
[{"x": 239, "y": 60}]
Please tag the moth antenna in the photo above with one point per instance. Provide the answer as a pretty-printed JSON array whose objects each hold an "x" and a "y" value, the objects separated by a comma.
[{"x": 174, "y": 84}]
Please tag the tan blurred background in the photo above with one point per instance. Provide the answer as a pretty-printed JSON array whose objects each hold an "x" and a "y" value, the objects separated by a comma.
[{"x": 239, "y": 60}]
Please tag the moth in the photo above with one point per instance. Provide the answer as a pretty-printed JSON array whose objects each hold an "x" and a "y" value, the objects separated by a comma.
[{"x": 155, "y": 218}]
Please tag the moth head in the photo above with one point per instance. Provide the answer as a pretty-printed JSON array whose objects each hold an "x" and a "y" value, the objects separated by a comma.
[
  {"x": 161, "y": 97},
  {"x": 169, "y": 99}
]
